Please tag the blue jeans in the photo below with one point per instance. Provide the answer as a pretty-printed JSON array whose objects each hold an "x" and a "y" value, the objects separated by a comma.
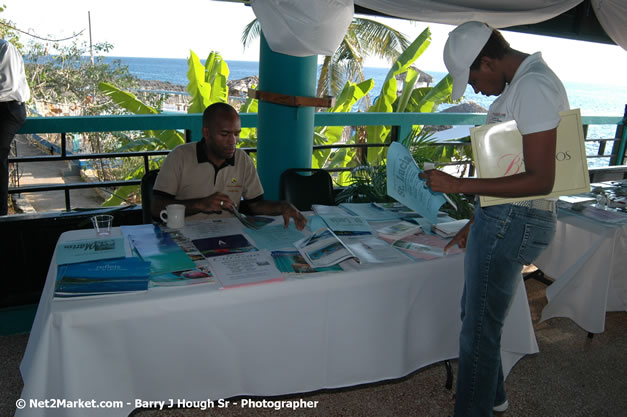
[{"x": 501, "y": 241}]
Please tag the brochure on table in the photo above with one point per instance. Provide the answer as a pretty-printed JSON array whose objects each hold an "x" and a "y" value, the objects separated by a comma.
[
  {"x": 86, "y": 250},
  {"x": 201, "y": 274},
  {"x": 159, "y": 248},
  {"x": 223, "y": 245},
  {"x": 97, "y": 278},
  {"x": 216, "y": 227},
  {"x": 405, "y": 185},
  {"x": 372, "y": 250},
  {"x": 323, "y": 248},
  {"x": 370, "y": 212},
  {"x": 292, "y": 261},
  {"x": 245, "y": 268},
  {"x": 449, "y": 229},
  {"x": 426, "y": 247},
  {"x": 346, "y": 223},
  {"x": 275, "y": 237},
  {"x": 399, "y": 230}
]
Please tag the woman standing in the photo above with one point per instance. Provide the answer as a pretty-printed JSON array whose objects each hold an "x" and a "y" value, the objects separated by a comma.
[{"x": 500, "y": 239}]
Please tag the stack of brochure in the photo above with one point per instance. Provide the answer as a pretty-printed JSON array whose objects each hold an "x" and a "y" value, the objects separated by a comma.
[
  {"x": 449, "y": 229},
  {"x": 88, "y": 279},
  {"x": 399, "y": 230},
  {"x": 86, "y": 250}
]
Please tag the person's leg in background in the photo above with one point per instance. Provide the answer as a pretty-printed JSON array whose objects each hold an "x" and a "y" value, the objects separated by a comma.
[{"x": 12, "y": 116}]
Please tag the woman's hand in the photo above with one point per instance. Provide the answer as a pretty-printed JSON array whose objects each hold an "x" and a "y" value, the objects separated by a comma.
[
  {"x": 461, "y": 238},
  {"x": 441, "y": 181}
]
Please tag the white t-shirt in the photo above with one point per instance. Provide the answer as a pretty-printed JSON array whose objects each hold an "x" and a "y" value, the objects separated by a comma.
[
  {"x": 533, "y": 98},
  {"x": 13, "y": 85}
]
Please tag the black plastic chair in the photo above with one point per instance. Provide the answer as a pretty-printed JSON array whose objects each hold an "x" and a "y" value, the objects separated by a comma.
[
  {"x": 148, "y": 181},
  {"x": 314, "y": 187}
]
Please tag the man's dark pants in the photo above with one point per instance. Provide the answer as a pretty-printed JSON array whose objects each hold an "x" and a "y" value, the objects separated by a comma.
[{"x": 12, "y": 116}]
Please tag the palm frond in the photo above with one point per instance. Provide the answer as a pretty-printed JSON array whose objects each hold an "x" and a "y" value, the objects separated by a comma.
[{"x": 251, "y": 32}]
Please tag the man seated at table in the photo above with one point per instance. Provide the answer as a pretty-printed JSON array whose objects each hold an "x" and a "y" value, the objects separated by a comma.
[{"x": 212, "y": 175}]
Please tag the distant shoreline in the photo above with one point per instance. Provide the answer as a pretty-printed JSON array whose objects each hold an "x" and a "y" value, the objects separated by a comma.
[{"x": 156, "y": 85}]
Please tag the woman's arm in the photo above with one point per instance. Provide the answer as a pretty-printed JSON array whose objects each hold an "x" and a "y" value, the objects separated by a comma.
[{"x": 538, "y": 178}]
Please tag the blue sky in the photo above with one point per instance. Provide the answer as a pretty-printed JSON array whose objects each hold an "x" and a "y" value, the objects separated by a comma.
[{"x": 158, "y": 28}]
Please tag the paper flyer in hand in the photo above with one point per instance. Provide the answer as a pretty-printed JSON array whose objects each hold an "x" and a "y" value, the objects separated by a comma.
[
  {"x": 323, "y": 248},
  {"x": 405, "y": 186}
]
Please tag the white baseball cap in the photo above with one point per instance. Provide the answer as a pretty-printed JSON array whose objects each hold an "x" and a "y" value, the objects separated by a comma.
[{"x": 462, "y": 48}]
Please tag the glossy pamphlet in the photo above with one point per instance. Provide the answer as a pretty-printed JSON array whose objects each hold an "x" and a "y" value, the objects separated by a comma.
[
  {"x": 405, "y": 185},
  {"x": 159, "y": 248},
  {"x": 90, "y": 250},
  {"x": 115, "y": 276}
]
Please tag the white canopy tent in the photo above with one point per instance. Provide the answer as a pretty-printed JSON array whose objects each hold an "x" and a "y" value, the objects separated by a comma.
[{"x": 304, "y": 27}]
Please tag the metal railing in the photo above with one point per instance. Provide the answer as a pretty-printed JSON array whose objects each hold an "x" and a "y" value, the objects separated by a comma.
[{"x": 190, "y": 124}]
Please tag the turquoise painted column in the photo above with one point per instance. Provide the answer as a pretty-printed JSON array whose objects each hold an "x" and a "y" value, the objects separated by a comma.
[{"x": 285, "y": 134}]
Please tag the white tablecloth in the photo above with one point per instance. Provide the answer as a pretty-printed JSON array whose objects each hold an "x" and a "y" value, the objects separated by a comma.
[
  {"x": 588, "y": 260},
  {"x": 194, "y": 343}
]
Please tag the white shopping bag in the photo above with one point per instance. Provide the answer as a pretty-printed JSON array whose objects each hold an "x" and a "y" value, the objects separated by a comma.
[{"x": 497, "y": 152}]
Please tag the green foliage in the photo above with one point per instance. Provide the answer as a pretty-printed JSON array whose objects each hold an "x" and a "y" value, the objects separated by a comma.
[
  {"x": 207, "y": 84},
  {"x": 388, "y": 96},
  {"x": 62, "y": 74},
  {"x": 8, "y": 33},
  {"x": 368, "y": 184},
  {"x": 248, "y": 135},
  {"x": 350, "y": 94}
]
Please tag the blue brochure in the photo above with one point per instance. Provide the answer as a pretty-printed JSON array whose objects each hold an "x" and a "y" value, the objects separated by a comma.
[
  {"x": 90, "y": 250},
  {"x": 102, "y": 277},
  {"x": 405, "y": 186}
]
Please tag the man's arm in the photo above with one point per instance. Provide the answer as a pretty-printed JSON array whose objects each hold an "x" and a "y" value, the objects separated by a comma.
[
  {"x": 215, "y": 203},
  {"x": 538, "y": 178},
  {"x": 275, "y": 208}
]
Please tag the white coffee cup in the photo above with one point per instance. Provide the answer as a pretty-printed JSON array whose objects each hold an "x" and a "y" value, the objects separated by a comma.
[{"x": 173, "y": 216}]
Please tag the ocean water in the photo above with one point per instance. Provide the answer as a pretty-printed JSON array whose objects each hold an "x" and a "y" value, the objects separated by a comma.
[{"x": 593, "y": 99}]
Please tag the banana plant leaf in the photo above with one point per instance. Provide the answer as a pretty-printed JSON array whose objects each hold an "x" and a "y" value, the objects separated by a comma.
[
  {"x": 121, "y": 194},
  {"x": 152, "y": 139},
  {"x": 248, "y": 135},
  {"x": 426, "y": 100},
  {"x": 388, "y": 95},
  {"x": 197, "y": 87},
  {"x": 408, "y": 87},
  {"x": 324, "y": 135},
  {"x": 217, "y": 72}
]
